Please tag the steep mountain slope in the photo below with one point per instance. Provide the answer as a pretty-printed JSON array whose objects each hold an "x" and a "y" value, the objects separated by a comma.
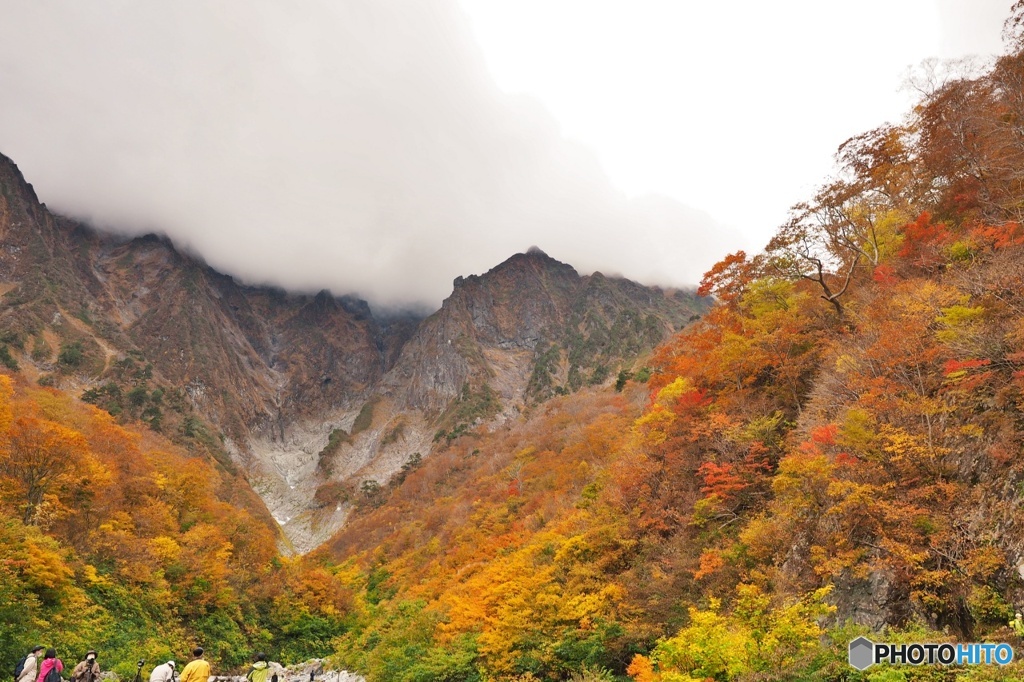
[
  {"x": 313, "y": 395},
  {"x": 534, "y": 327},
  {"x": 525, "y": 330},
  {"x": 250, "y": 358}
]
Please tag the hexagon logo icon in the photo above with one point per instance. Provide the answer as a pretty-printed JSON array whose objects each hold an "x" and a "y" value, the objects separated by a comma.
[{"x": 862, "y": 653}]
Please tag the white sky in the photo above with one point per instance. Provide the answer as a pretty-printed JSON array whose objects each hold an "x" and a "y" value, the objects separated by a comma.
[
  {"x": 732, "y": 107},
  {"x": 384, "y": 147}
]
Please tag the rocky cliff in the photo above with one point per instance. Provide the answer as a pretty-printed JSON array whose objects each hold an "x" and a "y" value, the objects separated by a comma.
[{"x": 315, "y": 397}]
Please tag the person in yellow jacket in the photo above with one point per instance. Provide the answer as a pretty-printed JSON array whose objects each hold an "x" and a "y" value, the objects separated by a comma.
[
  {"x": 197, "y": 670},
  {"x": 260, "y": 671}
]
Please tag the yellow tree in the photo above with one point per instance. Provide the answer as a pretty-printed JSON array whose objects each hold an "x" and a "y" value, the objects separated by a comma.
[{"x": 39, "y": 457}]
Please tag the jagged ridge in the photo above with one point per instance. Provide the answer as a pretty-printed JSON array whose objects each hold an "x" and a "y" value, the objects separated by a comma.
[{"x": 152, "y": 333}]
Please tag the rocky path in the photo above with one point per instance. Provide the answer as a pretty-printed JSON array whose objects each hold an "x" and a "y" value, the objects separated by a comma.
[{"x": 303, "y": 672}]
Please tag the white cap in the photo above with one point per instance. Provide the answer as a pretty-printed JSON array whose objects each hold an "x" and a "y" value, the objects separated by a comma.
[{"x": 170, "y": 663}]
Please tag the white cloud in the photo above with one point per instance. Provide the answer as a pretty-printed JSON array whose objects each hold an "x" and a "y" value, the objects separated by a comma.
[
  {"x": 736, "y": 107},
  {"x": 359, "y": 146}
]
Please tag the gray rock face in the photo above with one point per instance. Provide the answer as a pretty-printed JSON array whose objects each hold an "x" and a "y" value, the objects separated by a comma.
[{"x": 269, "y": 376}]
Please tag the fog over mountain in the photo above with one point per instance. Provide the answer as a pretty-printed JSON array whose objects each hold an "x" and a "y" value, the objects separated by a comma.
[{"x": 359, "y": 146}]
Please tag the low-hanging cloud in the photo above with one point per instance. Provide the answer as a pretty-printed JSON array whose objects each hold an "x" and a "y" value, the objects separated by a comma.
[{"x": 359, "y": 146}]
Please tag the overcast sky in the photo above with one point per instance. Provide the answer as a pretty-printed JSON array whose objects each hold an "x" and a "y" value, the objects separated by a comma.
[{"x": 384, "y": 147}]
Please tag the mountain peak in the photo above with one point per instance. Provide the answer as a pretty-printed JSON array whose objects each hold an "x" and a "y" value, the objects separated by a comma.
[
  {"x": 12, "y": 178},
  {"x": 531, "y": 263},
  {"x": 535, "y": 259}
]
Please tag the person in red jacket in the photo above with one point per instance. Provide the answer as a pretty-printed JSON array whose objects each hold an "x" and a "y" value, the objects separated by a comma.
[{"x": 50, "y": 663}]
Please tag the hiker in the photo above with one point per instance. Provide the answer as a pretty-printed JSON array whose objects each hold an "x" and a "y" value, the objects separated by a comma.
[
  {"x": 30, "y": 666},
  {"x": 276, "y": 671},
  {"x": 163, "y": 673},
  {"x": 50, "y": 668},
  {"x": 87, "y": 670},
  {"x": 197, "y": 670},
  {"x": 260, "y": 669}
]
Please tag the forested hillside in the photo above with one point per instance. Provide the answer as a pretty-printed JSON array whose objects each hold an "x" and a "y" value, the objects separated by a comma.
[
  {"x": 116, "y": 539},
  {"x": 835, "y": 449}
]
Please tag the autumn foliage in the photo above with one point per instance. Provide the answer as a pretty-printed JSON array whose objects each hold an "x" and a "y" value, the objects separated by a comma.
[
  {"x": 119, "y": 540},
  {"x": 833, "y": 450}
]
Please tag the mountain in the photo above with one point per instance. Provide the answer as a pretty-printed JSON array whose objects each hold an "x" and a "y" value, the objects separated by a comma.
[
  {"x": 534, "y": 327},
  {"x": 313, "y": 396}
]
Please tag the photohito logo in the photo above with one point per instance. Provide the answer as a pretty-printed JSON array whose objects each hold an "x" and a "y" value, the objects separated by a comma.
[{"x": 864, "y": 653}]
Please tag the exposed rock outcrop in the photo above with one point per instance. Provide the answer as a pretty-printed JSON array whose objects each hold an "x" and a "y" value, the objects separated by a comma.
[{"x": 313, "y": 395}]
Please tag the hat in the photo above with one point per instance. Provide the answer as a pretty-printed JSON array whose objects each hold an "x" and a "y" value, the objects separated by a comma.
[
  {"x": 170, "y": 663},
  {"x": 90, "y": 652}
]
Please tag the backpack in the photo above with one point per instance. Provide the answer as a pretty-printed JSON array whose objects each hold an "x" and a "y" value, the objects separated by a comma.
[
  {"x": 20, "y": 667},
  {"x": 53, "y": 675}
]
